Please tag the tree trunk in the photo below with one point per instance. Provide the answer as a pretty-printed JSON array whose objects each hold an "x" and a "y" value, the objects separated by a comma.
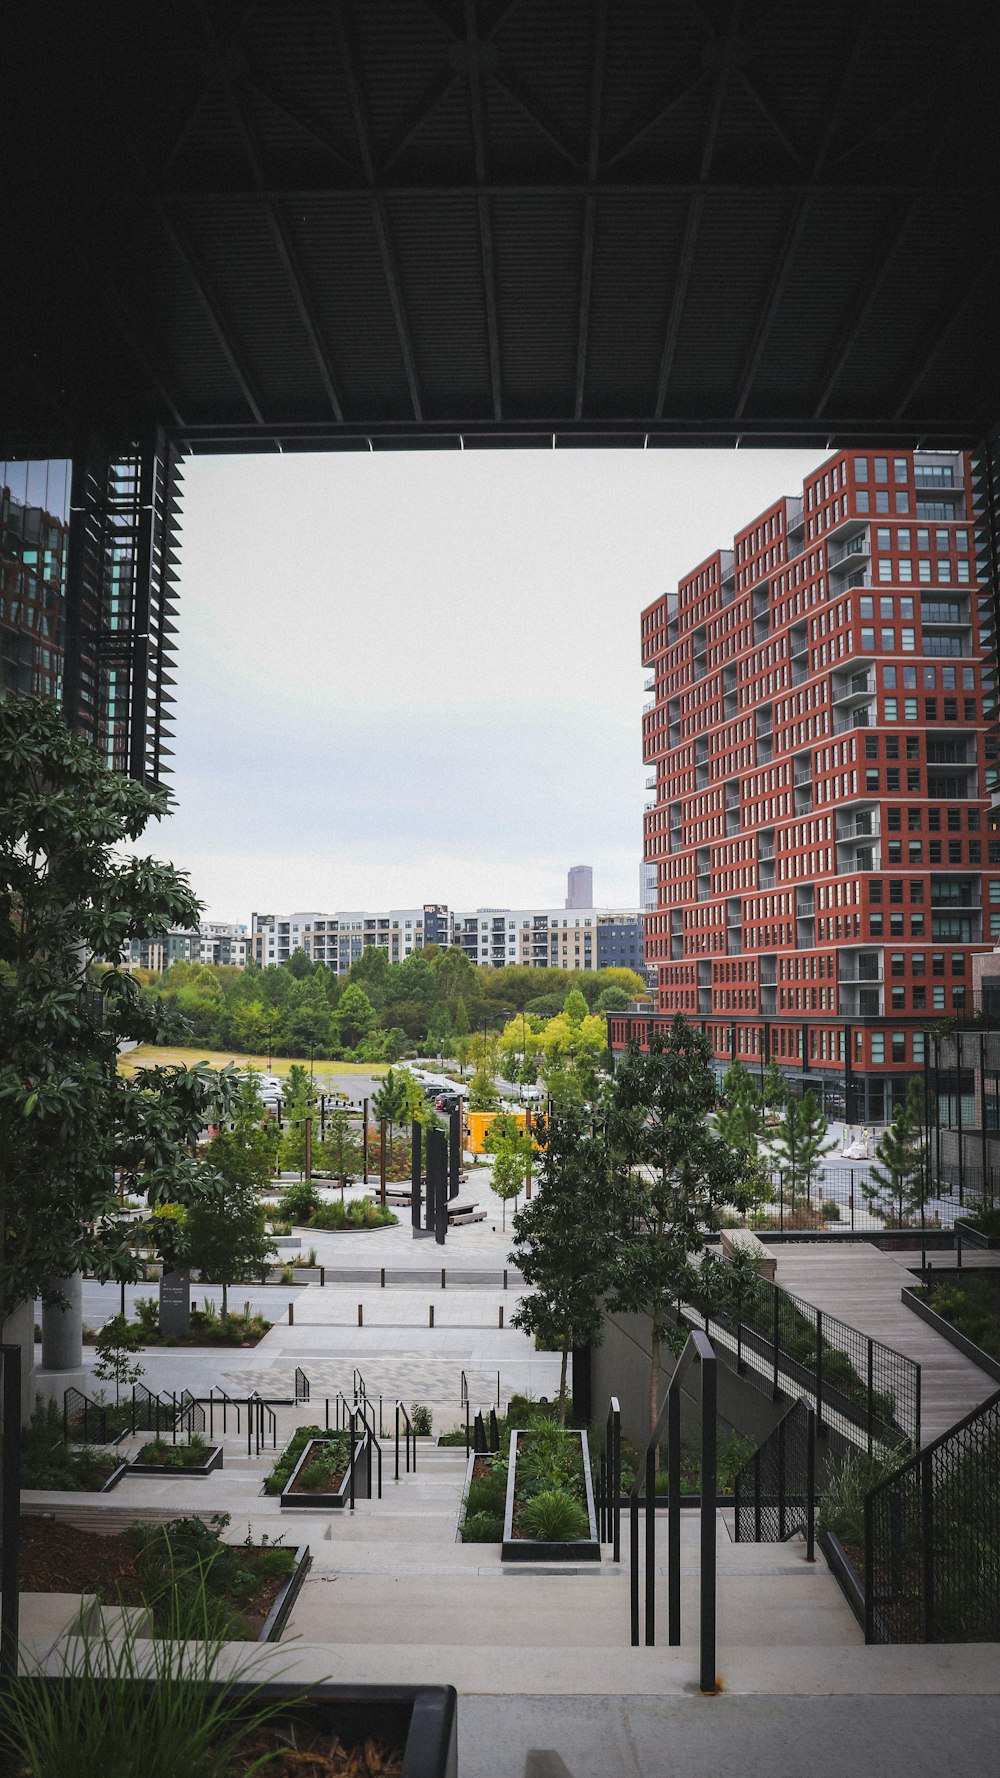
[{"x": 562, "y": 1387}]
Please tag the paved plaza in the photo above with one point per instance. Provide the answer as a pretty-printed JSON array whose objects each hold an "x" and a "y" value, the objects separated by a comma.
[{"x": 547, "y": 1681}]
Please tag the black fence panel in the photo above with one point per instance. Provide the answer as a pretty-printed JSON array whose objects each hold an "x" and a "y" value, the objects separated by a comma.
[
  {"x": 932, "y": 1540},
  {"x": 856, "y": 1384},
  {"x": 84, "y": 1421},
  {"x": 776, "y": 1488}
]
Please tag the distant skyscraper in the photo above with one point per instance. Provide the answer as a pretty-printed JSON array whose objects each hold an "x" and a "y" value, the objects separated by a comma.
[{"x": 580, "y": 886}]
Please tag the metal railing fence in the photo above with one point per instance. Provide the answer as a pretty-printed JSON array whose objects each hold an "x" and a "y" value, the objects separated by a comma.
[
  {"x": 932, "y": 1539},
  {"x": 609, "y": 1481},
  {"x": 776, "y": 1488},
  {"x": 697, "y": 1351},
  {"x": 855, "y": 1383}
]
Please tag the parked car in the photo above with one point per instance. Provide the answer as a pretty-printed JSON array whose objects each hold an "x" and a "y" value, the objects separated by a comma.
[{"x": 533, "y": 1095}]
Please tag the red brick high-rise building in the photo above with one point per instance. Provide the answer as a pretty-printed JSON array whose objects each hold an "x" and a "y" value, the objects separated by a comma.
[{"x": 820, "y": 744}]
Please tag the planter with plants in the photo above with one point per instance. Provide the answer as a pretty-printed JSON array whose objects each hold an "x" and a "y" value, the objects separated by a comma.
[
  {"x": 733, "y": 1452},
  {"x": 241, "y": 1327},
  {"x": 981, "y": 1228},
  {"x": 159, "y": 1457},
  {"x": 314, "y": 1470},
  {"x": 484, "y": 1499},
  {"x": 840, "y": 1521},
  {"x": 549, "y": 1511},
  {"x": 165, "y": 1707},
  {"x": 49, "y": 1462},
  {"x": 965, "y": 1311}
]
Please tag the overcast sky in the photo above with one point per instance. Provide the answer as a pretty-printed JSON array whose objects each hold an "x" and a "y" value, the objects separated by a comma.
[{"x": 409, "y": 677}]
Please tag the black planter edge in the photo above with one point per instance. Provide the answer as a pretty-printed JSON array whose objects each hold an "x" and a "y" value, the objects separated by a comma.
[
  {"x": 974, "y": 1236},
  {"x": 530, "y": 1549},
  {"x": 114, "y": 1478},
  {"x": 214, "y": 1461},
  {"x": 331, "y": 1502},
  {"x": 286, "y": 1596},
  {"x": 843, "y": 1574},
  {"x": 951, "y": 1334}
]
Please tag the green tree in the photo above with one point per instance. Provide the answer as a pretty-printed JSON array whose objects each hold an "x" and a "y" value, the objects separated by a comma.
[
  {"x": 775, "y": 1091},
  {"x": 245, "y": 1154},
  {"x": 738, "y": 1115},
  {"x": 392, "y": 1099},
  {"x": 341, "y": 1148},
  {"x": 299, "y": 1104},
  {"x": 800, "y": 1144},
  {"x": 227, "y": 1239},
  {"x": 564, "y": 1244},
  {"x": 68, "y": 1120},
  {"x": 116, "y": 1346},
  {"x": 513, "y": 1150},
  {"x": 896, "y": 1186},
  {"x": 575, "y": 1008},
  {"x": 612, "y": 1000},
  {"x": 355, "y": 1015},
  {"x": 669, "y": 1176},
  {"x": 483, "y": 1095}
]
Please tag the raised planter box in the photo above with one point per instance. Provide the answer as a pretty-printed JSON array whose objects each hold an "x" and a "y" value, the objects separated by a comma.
[
  {"x": 277, "y": 1617},
  {"x": 536, "y": 1549},
  {"x": 974, "y": 1236},
  {"x": 843, "y": 1573},
  {"x": 422, "y": 1719},
  {"x": 990, "y": 1365},
  {"x": 212, "y": 1461},
  {"x": 115, "y": 1477},
  {"x": 332, "y": 1501}
]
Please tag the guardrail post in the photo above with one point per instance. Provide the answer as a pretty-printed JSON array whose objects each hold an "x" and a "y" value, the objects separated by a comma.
[
  {"x": 361, "y": 1314},
  {"x": 381, "y": 1278},
  {"x": 709, "y": 1488},
  {"x": 322, "y": 1277},
  {"x": 775, "y": 1329},
  {"x": 616, "y": 1479},
  {"x": 819, "y": 1370},
  {"x": 650, "y": 1530},
  {"x": 291, "y": 1314},
  {"x": 927, "y": 1542},
  {"x": 870, "y": 1414},
  {"x": 673, "y": 1515},
  {"x": 810, "y": 1485},
  {"x": 501, "y": 1316},
  {"x": 430, "y": 1314}
]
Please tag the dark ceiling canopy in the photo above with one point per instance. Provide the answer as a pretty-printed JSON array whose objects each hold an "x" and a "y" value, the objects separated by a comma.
[{"x": 288, "y": 223}]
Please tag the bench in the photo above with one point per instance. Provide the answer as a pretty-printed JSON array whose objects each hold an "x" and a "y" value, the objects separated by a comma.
[
  {"x": 467, "y": 1216},
  {"x": 744, "y": 1241}
]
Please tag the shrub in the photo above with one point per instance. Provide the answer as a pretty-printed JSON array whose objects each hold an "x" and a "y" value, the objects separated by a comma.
[
  {"x": 487, "y": 1494},
  {"x": 420, "y": 1419},
  {"x": 482, "y": 1528},
  {"x": 842, "y": 1508},
  {"x": 298, "y": 1201},
  {"x": 830, "y": 1210},
  {"x": 554, "y": 1516}
]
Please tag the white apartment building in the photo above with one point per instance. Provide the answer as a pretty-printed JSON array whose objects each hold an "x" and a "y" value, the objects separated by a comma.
[{"x": 557, "y": 938}]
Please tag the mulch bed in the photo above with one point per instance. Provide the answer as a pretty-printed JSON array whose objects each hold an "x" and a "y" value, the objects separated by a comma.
[
  {"x": 58, "y": 1558},
  {"x": 320, "y": 1755}
]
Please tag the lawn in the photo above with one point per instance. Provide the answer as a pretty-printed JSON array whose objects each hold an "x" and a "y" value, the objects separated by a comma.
[{"x": 150, "y": 1055}]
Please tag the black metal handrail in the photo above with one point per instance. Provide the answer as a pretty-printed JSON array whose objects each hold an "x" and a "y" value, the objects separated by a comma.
[
  {"x": 775, "y": 1490},
  {"x": 609, "y": 1481},
  {"x": 302, "y": 1386},
  {"x": 364, "y": 1412},
  {"x": 79, "y": 1407},
  {"x": 153, "y": 1412},
  {"x": 697, "y": 1350},
  {"x": 190, "y": 1415},
  {"x": 358, "y": 1385},
  {"x": 409, "y": 1439},
  {"x": 257, "y": 1411},
  {"x": 218, "y": 1397},
  {"x": 930, "y": 1528}
]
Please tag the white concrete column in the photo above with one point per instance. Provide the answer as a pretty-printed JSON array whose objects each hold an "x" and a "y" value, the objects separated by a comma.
[{"x": 62, "y": 1329}]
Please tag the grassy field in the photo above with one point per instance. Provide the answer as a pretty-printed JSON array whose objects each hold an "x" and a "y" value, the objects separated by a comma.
[{"x": 150, "y": 1055}]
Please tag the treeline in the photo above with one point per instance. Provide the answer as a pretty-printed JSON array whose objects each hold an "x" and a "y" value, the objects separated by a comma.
[{"x": 379, "y": 1011}]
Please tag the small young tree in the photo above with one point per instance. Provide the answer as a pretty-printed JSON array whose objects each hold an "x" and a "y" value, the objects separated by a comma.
[
  {"x": 483, "y": 1095},
  {"x": 564, "y": 1244},
  {"x": 669, "y": 1175},
  {"x": 896, "y": 1186},
  {"x": 340, "y": 1147},
  {"x": 116, "y": 1346},
  {"x": 738, "y": 1115},
  {"x": 461, "y": 1040},
  {"x": 513, "y": 1149},
  {"x": 245, "y": 1154},
  {"x": 801, "y": 1143},
  {"x": 227, "y": 1240},
  {"x": 300, "y": 1104},
  {"x": 775, "y": 1091},
  {"x": 391, "y": 1100}
]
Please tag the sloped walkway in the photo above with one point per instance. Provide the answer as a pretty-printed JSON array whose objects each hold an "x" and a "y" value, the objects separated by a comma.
[{"x": 861, "y": 1285}]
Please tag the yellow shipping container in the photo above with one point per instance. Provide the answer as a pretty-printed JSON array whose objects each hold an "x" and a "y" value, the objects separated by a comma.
[{"x": 477, "y": 1124}]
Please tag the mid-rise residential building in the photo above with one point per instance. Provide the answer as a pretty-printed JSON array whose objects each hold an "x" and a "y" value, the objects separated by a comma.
[
  {"x": 820, "y": 737},
  {"x": 214, "y": 941},
  {"x": 586, "y": 938}
]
